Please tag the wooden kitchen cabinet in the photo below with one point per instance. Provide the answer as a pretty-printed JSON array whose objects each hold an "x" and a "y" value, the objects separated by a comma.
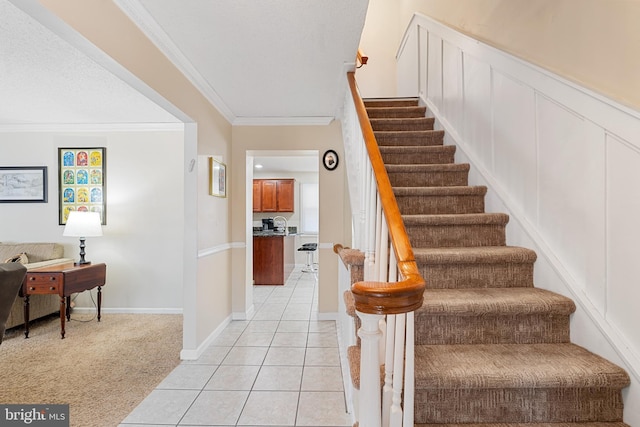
[
  {"x": 257, "y": 196},
  {"x": 273, "y": 195}
]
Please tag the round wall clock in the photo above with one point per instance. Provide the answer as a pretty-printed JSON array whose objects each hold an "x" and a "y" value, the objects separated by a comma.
[{"x": 330, "y": 160}]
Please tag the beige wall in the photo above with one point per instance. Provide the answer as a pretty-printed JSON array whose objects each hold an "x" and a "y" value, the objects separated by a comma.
[
  {"x": 105, "y": 25},
  {"x": 332, "y": 196},
  {"x": 592, "y": 42}
]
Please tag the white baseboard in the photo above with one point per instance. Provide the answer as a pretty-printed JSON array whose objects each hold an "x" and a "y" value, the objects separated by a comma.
[
  {"x": 327, "y": 316},
  {"x": 127, "y": 310},
  {"x": 246, "y": 315},
  {"x": 194, "y": 354}
]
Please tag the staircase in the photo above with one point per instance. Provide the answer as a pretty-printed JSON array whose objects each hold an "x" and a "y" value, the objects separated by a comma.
[{"x": 491, "y": 349}]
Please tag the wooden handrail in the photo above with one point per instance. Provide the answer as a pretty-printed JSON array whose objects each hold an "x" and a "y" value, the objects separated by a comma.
[
  {"x": 361, "y": 59},
  {"x": 382, "y": 297}
]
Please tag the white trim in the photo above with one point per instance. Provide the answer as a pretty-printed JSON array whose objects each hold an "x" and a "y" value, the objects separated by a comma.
[
  {"x": 194, "y": 354},
  {"x": 606, "y": 112},
  {"x": 220, "y": 248},
  {"x": 248, "y": 315},
  {"x": 283, "y": 121},
  {"x": 96, "y": 127},
  {"x": 328, "y": 316},
  {"x": 127, "y": 310},
  {"x": 139, "y": 15}
]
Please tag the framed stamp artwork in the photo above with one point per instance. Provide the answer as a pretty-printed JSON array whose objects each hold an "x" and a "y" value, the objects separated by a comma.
[
  {"x": 82, "y": 179},
  {"x": 23, "y": 184}
]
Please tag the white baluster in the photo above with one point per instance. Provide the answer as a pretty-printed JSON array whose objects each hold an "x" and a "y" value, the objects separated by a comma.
[
  {"x": 409, "y": 383},
  {"x": 387, "y": 389},
  {"x": 369, "y": 396},
  {"x": 398, "y": 365}
]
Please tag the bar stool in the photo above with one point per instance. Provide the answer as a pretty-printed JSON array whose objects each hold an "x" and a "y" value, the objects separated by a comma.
[{"x": 309, "y": 248}]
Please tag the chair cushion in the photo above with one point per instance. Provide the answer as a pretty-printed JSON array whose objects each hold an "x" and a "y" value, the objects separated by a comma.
[{"x": 11, "y": 277}]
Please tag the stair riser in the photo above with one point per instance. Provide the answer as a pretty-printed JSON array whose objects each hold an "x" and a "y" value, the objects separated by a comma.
[
  {"x": 429, "y": 179},
  {"x": 432, "y": 329},
  {"x": 392, "y": 139},
  {"x": 467, "y": 276},
  {"x": 396, "y": 112},
  {"x": 470, "y": 235},
  {"x": 402, "y": 124},
  {"x": 543, "y": 405},
  {"x": 430, "y": 158},
  {"x": 430, "y": 205}
]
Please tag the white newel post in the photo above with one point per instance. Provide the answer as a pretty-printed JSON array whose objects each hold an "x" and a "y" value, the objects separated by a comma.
[{"x": 369, "y": 398}]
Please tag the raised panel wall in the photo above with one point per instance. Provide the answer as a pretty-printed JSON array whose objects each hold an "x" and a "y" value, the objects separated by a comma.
[{"x": 563, "y": 162}]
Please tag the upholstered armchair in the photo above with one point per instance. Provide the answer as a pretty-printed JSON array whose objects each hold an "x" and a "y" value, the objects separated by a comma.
[{"x": 11, "y": 277}]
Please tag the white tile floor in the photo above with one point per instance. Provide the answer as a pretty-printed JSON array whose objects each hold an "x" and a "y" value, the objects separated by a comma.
[{"x": 282, "y": 368}]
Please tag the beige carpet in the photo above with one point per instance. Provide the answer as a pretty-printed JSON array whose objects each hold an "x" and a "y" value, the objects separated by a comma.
[{"x": 102, "y": 370}]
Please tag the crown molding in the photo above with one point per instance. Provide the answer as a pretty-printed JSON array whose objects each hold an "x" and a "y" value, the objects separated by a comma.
[
  {"x": 143, "y": 19},
  {"x": 93, "y": 127},
  {"x": 283, "y": 121}
]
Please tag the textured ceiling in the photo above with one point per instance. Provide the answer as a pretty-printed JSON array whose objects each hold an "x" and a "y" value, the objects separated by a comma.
[
  {"x": 276, "y": 62},
  {"x": 282, "y": 60},
  {"x": 45, "y": 80}
]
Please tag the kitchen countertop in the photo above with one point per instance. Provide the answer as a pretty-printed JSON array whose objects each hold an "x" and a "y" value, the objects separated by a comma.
[{"x": 271, "y": 234}]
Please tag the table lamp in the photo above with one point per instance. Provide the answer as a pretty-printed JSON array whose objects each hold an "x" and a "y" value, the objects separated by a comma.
[{"x": 82, "y": 225}]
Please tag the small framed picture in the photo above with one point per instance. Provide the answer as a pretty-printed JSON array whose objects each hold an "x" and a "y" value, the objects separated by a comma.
[
  {"x": 23, "y": 184},
  {"x": 330, "y": 160},
  {"x": 217, "y": 178}
]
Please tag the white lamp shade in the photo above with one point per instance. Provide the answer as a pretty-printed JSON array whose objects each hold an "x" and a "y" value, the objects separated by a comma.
[{"x": 83, "y": 224}]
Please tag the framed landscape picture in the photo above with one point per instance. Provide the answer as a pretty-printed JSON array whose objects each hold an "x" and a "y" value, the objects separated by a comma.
[
  {"x": 82, "y": 181},
  {"x": 23, "y": 184}
]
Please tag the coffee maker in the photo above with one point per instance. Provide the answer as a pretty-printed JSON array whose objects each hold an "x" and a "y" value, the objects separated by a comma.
[{"x": 267, "y": 224}]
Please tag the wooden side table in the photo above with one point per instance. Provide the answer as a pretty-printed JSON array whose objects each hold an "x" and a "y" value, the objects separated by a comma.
[{"x": 62, "y": 280}]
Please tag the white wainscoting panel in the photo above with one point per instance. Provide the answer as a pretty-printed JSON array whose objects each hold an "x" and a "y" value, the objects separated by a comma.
[
  {"x": 571, "y": 193},
  {"x": 562, "y": 161},
  {"x": 434, "y": 70},
  {"x": 514, "y": 148},
  {"x": 477, "y": 109},
  {"x": 623, "y": 237},
  {"x": 452, "y": 84}
]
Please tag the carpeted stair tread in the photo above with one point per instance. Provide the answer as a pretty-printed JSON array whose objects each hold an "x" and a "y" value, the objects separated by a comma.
[
  {"x": 440, "y": 200},
  {"x": 390, "y": 102},
  {"x": 456, "y": 230},
  {"x": 483, "y": 301},
  {"x": 393, "y": 111},
  {"x": 434, "y": 175},
  {"x": 423, "y": 137},
  {"x": 585, "y": 424},
  {"x": 402, "y": 123},
  {"x": 417, "y": 154},
  {"x": 457, "y": 219},
  {"x": 475, "y": 255},
  {"x": 497, "y": 366},
  {"x": 454, "y": 190}
]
